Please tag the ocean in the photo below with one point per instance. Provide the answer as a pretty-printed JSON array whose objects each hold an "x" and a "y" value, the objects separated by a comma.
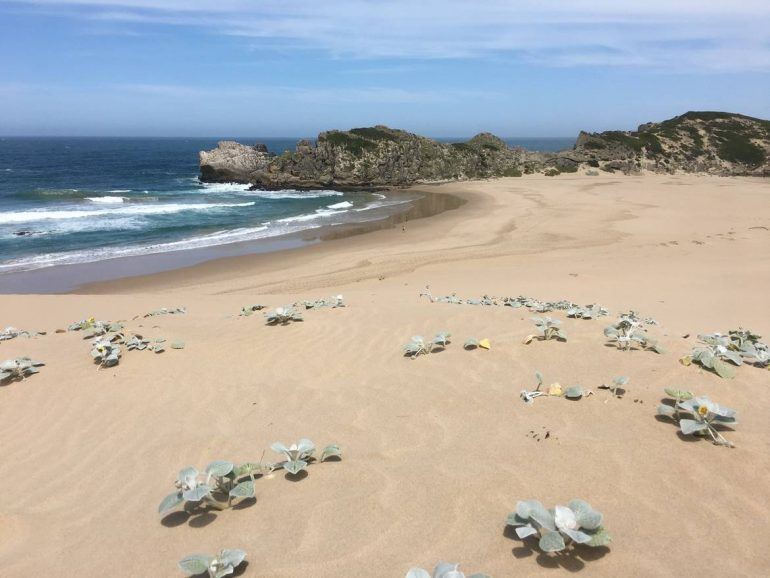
[{"x": 80, "y": 200}]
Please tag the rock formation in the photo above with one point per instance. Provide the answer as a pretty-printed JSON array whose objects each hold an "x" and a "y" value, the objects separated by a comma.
[
  {"x": 233, "y": 162},
  {"x": 696, "y": 142},
  {"x": 708, "y": 142}
]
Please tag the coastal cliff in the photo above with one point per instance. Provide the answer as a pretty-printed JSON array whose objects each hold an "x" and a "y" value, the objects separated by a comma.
[{"x": 696, "y": 142}]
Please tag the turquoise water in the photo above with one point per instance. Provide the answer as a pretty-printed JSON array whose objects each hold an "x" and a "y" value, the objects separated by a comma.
[{"x": 79, "y": 200}]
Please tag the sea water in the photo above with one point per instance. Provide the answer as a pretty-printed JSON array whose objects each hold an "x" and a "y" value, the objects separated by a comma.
[{"x": 79, "y": 200}]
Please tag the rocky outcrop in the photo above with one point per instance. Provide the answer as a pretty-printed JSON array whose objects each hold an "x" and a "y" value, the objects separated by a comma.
[
  {"x": 708, "y": 142},
  {"x": 696, "y": 142},
  {"x": 233, "y": 162},
  {"x": 364, "y": 157}
]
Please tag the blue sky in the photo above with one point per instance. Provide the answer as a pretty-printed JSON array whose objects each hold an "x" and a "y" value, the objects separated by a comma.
[{"x": 441, "y": 68}]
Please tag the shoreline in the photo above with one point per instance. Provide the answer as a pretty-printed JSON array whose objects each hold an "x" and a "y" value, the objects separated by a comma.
[{"x": 91, "y": 276}]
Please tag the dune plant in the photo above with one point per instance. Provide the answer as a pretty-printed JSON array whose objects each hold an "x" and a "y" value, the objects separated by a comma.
[
  {"x": 698, "y": 416},
  {"x": 629, "y": 331},
  {"x": 223, "y": 482},
  {"x": 453, "y": 298},
  {"x": 574, "y": 392},
  {"x": 18, "y": 369},
  {"x": 722, "y": 353},
  {"x": 283, "y": 316},
  {"x": 561, "y": 527},
  {"x": 222, "y": 564},
  {"x": 95, "y": 328},
  {"x": 137, "y": 342},
  {"x": 486, "y": 301},
  {"x": 588, "y": 312},
  {"x": 300, "y": 455},
  {"x": 547, "y": 329},
  {"x": 166, "y": 311},
  {"x": 419, "y": 346},
  {"x": 473, "y": 343},
  {"x": 554, "y": 390},
  {"x": 714, "y": 351},
  {"x": 333, "y": 302},
  {"x": 12, "y": 333},
  {"x": 105, "y": 352},
  {"x": 748, "y": 344},
  {"x": 442, "y": 570},
  {"x": 617, "y": 385},
  {"x": 248, "y": 310}
]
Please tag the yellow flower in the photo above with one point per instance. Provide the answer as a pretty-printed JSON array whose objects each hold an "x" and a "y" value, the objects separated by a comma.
[{"x": 703, "y": 411}]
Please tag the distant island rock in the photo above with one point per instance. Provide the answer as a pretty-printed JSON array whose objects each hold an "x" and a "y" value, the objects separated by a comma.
[{"x": 696, "y": 142}]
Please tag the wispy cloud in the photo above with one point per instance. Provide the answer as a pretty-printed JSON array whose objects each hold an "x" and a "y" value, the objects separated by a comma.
[
  {"x": 287, "y": 94},
  {"x": 693, "y": 35}
]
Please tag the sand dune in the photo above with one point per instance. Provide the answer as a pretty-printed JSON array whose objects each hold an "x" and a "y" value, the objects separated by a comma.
[{"x": 437, "y": 450}]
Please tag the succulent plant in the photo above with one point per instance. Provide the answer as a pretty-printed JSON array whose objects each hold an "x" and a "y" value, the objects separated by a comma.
[
  {"x": 82, "y": 324},
  {"x": 554, "y": 390},
  {"x": 283, "y": 315},
  {"x": 473, "y": 343},
  {"x": 333, "y": 302},
  {"x": 223, "y": 482},
  {"x": 574, "y": 392},
  {"x": 12, "y": 333},
  {"x": 442, "y": 570},
  {"x": 588, "y": 312},
  {"x": 560, "y": 527},
  {"x": 486, "y": 301},
  {"x": 748, "y": 344},
  {"x": 95, "y": 328},
  {"x": 300, "y": 455},
  {"x": 418, "y": 346},
  {"x": 704, "y": 415},
  {"x": 223, "y": 564},
  {"x": 547, "y": 329},
  {"x": 166, "y": 311},
  {"x": 137, "y": 342},
  {"x": 250, "y": 309},
  {"x": 453, "y": 298},
  {"x": 297, "y": 455},
  {"x": 105, "y": 352},
  {"x": 713, "y": 352},
  {"x": 18, "y": 369},
  {"x": 739, "y": 346},
  {"x": 629, "y": 331},
  {"x": 617, "y": 385}
]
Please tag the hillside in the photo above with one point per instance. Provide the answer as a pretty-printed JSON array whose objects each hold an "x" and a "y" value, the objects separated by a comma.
[{"x": 696, "y": 142}]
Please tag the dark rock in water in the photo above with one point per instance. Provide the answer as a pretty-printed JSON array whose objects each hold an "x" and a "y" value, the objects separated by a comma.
[
  {"x": 26, "y": 233},
  {"x": 703, "y": 142}
]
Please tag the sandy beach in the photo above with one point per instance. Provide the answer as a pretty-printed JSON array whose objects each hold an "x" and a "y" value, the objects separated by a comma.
[{"x": 436, "y": 450}]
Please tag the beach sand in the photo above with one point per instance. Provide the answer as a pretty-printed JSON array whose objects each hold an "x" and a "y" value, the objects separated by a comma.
[{"x": 437, "y": 450}]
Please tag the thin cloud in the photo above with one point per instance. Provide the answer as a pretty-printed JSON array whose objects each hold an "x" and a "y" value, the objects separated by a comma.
[{"x": 692, "y": 35}]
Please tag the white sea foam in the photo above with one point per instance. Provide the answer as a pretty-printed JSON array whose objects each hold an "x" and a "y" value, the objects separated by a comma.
[
  {"x": 234, "y": 188},
  {"x": 319, "y": 214},
  {"x": 342, "y": 205},
  {"x": 103, "y": 253},
  {"x": 224, "y": 187},
  {"x": 45, "y": 215},
  {"x": 120, "y": 191},
  {"x": 108, "y": 199}
]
